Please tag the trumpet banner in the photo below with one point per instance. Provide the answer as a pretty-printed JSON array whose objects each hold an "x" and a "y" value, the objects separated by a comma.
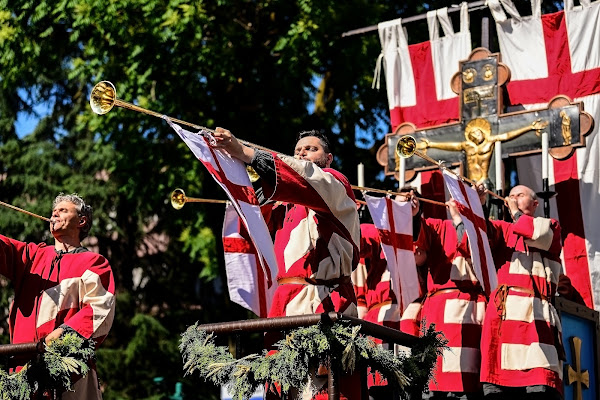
[
  {"x": 231, "y": 175},
  {"x": 245, "y": 278},
  {"x": 471, "y": 211},
  {"x": 393, "y": 221}
]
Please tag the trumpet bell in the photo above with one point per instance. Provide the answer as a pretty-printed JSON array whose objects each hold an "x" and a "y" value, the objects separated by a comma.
[
  {"x": 252, "y": 174},
  {"x": 406, "y": 146},
  {"x": 178, "y": 199},
  {"x": 103, "y": 97}
]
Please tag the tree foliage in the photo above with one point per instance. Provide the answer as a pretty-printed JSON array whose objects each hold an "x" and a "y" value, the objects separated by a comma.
[{"x": 263, "y": 69}]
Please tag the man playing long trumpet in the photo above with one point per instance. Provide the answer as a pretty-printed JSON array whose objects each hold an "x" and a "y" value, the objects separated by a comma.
[
  {"x": 521, "y": 345},
  {"x": 62, "y": 288},
  {"x": 317, "y": 244}
]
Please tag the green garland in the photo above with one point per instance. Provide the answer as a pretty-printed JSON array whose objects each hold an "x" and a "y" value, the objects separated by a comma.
[
  {"x": 51, "y": 370},
  {"x": 303, "y": 349}
]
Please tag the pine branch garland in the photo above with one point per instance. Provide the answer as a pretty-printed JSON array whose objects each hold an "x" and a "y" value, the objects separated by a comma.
[
  {"x": 304, "y": 348},
  {"x": 53, "y": 369}
]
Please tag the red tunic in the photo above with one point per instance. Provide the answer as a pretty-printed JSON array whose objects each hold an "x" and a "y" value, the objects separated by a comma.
[
  {"x": 52, "y": 288},
  {"x": 369, "y": 245},
  {"x": 521, "y": 342},
  {"x": 317, "y": 246},
  {"x": 455, "y": 304}
]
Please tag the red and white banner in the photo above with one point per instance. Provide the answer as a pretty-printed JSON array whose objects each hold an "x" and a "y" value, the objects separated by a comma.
[
  {"x": 418, "y": 83},
  {"x": 469, "y": 208},
  {"x": 231, "y": 175},
  {"x": 393, "y": 220},
  {"x": 566, "y": 49},
  {"x": 247, "y": 283},
  {"x": 418, "y": 76}
]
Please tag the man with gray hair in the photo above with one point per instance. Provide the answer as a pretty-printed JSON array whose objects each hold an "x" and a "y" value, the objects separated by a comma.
[{"x": 62, "y": 288}]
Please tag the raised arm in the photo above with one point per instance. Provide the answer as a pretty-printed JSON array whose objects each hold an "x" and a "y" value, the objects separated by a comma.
[
  {"x": 15, "y": 257},
  {"x": 538, "y": 232},
  {"x": 537, "y": 125}
]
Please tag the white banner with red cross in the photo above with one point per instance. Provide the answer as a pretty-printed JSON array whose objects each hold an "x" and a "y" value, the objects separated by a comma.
[
  {"x": 471, "y": 211},
  {"x": 566, "y": 48},
  {"x": 231, "y": 175},
  {"x": 245, "y": 278},
  {"x": 393, "y": 220}
]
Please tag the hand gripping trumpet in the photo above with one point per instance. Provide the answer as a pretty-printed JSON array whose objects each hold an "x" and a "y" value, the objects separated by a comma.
[{"x": 406, "y": 147}]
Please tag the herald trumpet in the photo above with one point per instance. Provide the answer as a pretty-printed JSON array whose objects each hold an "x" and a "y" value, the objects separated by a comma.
[
  {"x": 14, "y": 208},
  {"x": 178, "y": 199},
  {"x": 104, "y": 97},
  {"x": 406, "y": 147}
]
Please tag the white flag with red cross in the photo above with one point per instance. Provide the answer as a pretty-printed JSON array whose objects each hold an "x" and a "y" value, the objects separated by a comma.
[
  {"x": 246, "y": 279},
  {"x": 231, "y": 175},
  {"x": 471, "y": 211},
  {"x": 393, "y": 220}
]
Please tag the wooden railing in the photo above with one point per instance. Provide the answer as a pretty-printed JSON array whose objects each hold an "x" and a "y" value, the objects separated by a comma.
[{"x": 267, "y": 325}]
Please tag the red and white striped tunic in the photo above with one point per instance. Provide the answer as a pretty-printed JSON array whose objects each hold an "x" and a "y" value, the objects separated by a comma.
[
  {"x": 317, "y": 246},
  {"x": 75, "y": 289},
  {"x": 455, "y": 304},
  {"x": 381, "y": 303},
  {"x": 521, "y": 343},
  {"x": 370, "y": 245}
]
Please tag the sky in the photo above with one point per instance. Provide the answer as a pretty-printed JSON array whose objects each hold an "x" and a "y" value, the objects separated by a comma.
[{"x": 26, "y": 122}]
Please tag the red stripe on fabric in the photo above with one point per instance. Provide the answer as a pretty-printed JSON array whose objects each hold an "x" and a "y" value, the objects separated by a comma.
[
  {"x": 480, "y": 224},
  {"x": 238, "y": 192},
  {"x": 237, "y": 245},
  {"x": 395, "y": 240},
  {"x": 391, "y": 237},
  {"x": 262, "y": 291},
  {"x": 561, "y": 79},
  {"x": 568, "y": 203},
  {"x": 429, "y": 110}
]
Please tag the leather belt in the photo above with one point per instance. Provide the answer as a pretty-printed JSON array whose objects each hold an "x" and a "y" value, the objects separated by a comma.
[
  {"x": 440, "y": 291},
  {"x": 379, "y": 305}
]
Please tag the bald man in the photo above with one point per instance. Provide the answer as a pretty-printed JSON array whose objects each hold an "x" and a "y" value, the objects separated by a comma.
[{"x": 521, "y": 346}]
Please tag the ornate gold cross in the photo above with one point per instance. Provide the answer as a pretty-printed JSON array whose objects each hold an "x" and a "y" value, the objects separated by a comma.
[{"x": 482, "y": 122}]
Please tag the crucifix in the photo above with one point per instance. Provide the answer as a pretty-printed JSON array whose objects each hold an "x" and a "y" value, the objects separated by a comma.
[
  {"x": 577, "y": 376},
  {"x": 484, "y": 129}
]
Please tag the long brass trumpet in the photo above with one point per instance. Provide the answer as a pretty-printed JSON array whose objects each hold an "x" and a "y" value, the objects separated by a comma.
[
  {"x": 23, "y": 211},
  {"x": 390, "y": 192},
  {"x": 178, "y": 199},
  {"x": 406, "y": 147},
  {"x": 104, "y": 97}
]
